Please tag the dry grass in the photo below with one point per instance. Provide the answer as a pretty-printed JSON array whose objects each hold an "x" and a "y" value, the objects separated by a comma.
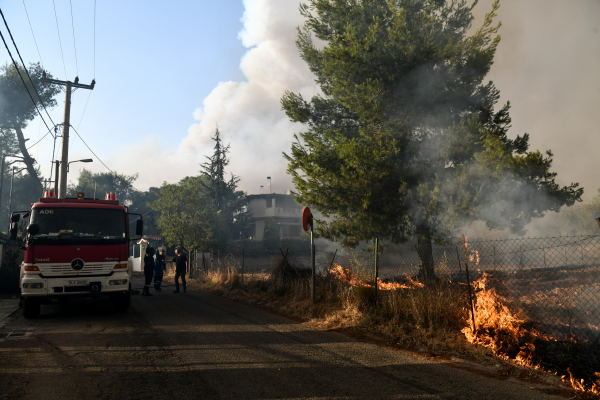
[{"x": 424, "y": 319}]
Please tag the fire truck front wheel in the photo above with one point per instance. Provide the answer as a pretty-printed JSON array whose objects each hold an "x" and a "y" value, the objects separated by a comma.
[
  {"x": 121, "y": 301},
  {"x": 31, "y": 307}
]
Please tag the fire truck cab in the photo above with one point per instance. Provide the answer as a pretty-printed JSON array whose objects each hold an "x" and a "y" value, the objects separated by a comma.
[{"x": 75, "y": 247}]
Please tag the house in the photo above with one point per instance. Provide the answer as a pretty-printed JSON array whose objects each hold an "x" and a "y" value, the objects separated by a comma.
[{"x": 281, "y": 207}]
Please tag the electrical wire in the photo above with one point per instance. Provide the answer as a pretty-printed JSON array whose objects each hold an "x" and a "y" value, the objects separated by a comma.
[
  {"x": 59, "y": 41},
  {"x": 86, "y": 145},
  {"x": 39, "y": 140},
  {"x": 102, "y": 162},
  {"x": 23, "y": 80},
  {"x": 53, "y": 154},
  {"x": 27, "y": 72},
  {"x": 74, "y": 46},
  {"x": 84, "y": 108},
  {"x": 31, "y": 27}
]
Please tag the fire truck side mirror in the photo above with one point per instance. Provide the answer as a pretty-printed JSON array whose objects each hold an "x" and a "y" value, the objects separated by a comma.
[
  {"x": 15, "y": 217},
  {"x": 13, "y": 231},
  {"x": 33, "y": 229},
  {"x": 139, "y": 227}
]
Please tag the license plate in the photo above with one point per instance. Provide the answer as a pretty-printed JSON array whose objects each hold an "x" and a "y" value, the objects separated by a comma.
[{"x": 76, "y": 283}]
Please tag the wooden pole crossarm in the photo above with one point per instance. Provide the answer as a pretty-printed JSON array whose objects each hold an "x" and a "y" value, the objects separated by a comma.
[{"x": 73, "y": 84}]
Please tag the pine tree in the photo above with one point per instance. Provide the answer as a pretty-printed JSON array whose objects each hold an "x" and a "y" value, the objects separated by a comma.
[
  {"x": 228, "y": 205},
  {"x": 404, "y": 140}
]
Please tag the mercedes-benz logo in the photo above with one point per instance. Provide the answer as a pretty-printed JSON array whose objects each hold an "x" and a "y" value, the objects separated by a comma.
[{"x": 77, "y": 264}]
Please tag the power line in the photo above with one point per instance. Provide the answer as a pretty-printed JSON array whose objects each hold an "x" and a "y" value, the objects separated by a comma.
[
  {"x": 102, "y": 162},
  {"x": 74, "y": 46},
  {"x": 27, "y": 72},
  {"x": 31, "y": 27},
  {"x": 86, "y": 145},
  {"x": 53, "y": 153},
  {"x": 40, "y": 140},
  {"x": 59, "y": 41},
  {"x": 84, "y": 108},
  {"x": 23, "y": 80}
]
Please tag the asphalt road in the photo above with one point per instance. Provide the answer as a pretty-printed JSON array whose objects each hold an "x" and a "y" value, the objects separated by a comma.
[{"x": 198, "y": 346}]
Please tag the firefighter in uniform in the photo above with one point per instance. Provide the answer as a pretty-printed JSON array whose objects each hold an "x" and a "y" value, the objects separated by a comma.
[
  {"x": 159, "y": 267},
  {"x": 148, "y": 270}
]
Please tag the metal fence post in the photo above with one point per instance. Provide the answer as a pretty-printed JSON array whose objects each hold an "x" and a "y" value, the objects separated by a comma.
[
  {"x": 469, "y": 285},
  {"x": 332, "y": 260},
  {"x": 544, "y": 251},
  {"x": 242, "y": 266},
  {"x": 312, "y": 257},
  {"x": 376, "y": 268}
]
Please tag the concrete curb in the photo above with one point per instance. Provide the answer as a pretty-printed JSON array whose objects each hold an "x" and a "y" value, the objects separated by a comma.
[{"x": 8, "y": 311}]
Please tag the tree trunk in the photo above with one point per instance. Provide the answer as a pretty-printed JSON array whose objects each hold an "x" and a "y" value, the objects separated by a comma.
[
  {"x": 425, "y": 251},
  {"x": 29, "y": 161}
]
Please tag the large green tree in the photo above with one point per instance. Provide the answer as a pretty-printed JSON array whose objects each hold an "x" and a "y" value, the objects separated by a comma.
[
  {"x": 17, "y": 109},
  {"x": 227, "y": 204},
  {"x": 404, "y": 139},
  {"x": 98, "y": 184},
  {"x": 184, "y": 217}
]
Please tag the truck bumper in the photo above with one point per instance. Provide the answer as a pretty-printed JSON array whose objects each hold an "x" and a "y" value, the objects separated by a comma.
[{"x": 85, "y": 286}]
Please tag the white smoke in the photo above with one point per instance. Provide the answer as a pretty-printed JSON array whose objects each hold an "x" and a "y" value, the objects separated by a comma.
[
  {"x": 248, "y": 113},
  {"x": 545, "y": 65}
]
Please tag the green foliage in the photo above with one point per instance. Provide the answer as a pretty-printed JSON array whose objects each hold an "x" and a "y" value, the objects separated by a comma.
[
  {"x": 405, "y": 138},
  {"x": 17, "y": 110},
  {"x": 227, "y": 205},
  {"x": 184, "y": 214},
  {"x": 104, "y": 182},
  {"x": 271, "y": 234},
  {"x": 579, "y": 219},
  {"x": 99, "y": 184},
  {"x": 23, "y": 194},
  {"x": 9, "y": 272}
]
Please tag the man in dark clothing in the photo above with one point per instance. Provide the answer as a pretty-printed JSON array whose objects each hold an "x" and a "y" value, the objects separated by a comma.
[
  {"x": 148, "y": 270},
  {"x": 181, "y": 264},
  {"x": 159, "y": 267}
]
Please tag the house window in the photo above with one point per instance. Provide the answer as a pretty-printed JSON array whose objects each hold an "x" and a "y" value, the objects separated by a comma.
[{"x": 269, "y": 203}]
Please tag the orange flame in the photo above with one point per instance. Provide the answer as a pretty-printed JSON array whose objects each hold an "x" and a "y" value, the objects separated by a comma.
[
  {"x": 502, "y": 330},
  {"x": 352, "y": 279}
]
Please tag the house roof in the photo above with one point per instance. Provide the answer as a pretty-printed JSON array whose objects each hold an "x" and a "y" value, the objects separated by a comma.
[{"x": 269, "y": 195}]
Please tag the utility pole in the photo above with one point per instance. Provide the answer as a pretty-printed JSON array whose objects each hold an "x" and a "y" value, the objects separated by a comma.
[
  {"x": 64, "y": 158},
  {"x": 1, "y": 178}
]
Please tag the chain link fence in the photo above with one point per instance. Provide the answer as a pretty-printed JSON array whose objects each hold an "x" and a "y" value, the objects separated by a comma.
[{"x": 552, "y": 283}]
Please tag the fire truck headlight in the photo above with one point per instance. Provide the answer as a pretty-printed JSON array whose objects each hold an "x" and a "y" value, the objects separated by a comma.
[
  {"x": 38, "y": 285},
  {"x": 120, "y": 266},
  {"x": 118, "y": 282}
]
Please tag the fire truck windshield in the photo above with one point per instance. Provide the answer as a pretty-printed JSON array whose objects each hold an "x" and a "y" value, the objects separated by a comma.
[{"x": 78, "y": 225}]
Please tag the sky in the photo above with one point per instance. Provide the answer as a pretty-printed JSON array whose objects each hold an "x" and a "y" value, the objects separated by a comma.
[{"x": 168, "y": 74}]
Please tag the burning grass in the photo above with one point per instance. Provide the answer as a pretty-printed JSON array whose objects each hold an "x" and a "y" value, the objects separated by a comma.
[{"x": 511, "y": 337}]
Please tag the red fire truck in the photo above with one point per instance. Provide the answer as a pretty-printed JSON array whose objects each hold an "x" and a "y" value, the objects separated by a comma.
[{"x": 75, "y": 247}]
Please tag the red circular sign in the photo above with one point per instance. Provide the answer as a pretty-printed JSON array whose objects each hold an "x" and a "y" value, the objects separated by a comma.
[{"x": 306, "y": 218}]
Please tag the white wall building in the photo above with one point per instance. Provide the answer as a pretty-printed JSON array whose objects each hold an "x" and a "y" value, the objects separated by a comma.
[{"x": 281, "y": 207}]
